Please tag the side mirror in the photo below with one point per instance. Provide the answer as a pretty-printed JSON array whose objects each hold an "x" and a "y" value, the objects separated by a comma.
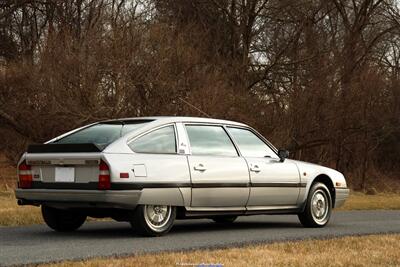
[{"x": 283, "y": 154}]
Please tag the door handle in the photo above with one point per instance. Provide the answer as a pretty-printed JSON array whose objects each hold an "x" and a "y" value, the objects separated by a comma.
[
  {"x": 255, "y": 168},
  {"x": 199, "y": 167}
]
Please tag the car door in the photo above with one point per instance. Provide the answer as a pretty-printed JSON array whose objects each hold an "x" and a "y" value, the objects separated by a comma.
[
  {"x": 220, "y": 178},
  {"x": 273, "y": 183}
]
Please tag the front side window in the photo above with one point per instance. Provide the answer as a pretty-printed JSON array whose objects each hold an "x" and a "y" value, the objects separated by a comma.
[
  {"x": 250, "y": 145},
  {"x": 210, "y": 140},
  {"x": 160, "y": 141}
]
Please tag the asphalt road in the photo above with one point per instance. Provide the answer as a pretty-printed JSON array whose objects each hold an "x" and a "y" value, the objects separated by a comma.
[{"x": 36, "y": 244}]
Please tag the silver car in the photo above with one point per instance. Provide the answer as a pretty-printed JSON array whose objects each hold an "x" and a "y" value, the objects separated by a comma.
[{"x": 150, "y": 171}]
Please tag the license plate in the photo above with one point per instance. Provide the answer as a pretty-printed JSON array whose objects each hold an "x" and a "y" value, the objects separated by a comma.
[{"x": 65, "y": 174}]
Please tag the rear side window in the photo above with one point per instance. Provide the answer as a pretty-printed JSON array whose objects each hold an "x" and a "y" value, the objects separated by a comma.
[
  {"x": 250, "y": 145},
  {"x": 101, "y": 134},
  {"x": 210, "y": 140},
  {"x": 160, "y": 141}
]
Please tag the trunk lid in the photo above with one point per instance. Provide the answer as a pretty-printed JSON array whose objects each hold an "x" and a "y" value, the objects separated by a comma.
[{"x": 64, "y": 163}]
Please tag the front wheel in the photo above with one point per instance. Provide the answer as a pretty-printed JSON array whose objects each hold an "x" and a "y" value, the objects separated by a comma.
[
  {"x": 62, "y": 220},
  {"x": 153, "y": 220},
  {"x": 318, "y": 207}
]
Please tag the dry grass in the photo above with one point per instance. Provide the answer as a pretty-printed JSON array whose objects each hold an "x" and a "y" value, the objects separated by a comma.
[
  {"x": 381, "y": 201},
  {"x": 374, "y": 250},
  {"x": 11, "y": 214}
]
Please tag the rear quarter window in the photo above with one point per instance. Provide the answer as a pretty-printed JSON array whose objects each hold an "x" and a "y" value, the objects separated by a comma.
[{"x": 160, "y": 141}]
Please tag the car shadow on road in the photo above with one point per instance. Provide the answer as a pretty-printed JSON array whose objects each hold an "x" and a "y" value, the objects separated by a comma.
[
  {"x": 218, "y": 227},
  {"x": 104, "y": 230}
]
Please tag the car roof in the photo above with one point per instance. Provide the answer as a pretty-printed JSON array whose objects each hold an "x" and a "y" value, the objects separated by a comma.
[{"x": 172, "y": 119}]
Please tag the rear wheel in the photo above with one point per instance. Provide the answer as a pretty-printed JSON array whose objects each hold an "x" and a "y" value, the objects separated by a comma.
[
  {"x": 318, "y": 207},
  {"x": 153, "y": 220},
  {"x": 224, "y": 219},
  {"x": 62, "y": 220}
]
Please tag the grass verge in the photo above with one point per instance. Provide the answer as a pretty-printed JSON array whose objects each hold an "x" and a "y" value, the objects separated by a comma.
[
  {"x": 374, "y": 250},
  {"x": 12, "y": 215},
  {"x": 380, "y": 201}
]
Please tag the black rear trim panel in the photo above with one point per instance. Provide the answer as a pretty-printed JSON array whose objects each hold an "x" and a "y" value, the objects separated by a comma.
[
  {"x": 114, "y": 186},
  {"x": 63, "y": 148}
]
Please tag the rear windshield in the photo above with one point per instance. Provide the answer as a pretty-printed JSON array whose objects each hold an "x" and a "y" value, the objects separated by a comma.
[{"x": 101, "y": 134}]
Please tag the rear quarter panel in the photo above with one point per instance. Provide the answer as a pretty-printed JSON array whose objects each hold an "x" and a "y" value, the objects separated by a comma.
[{"x": 164, "y": 176}]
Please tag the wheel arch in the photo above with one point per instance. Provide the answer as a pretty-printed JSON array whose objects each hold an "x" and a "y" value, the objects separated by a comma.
[
  {"x": 162, "y": 196},
  {"x": 327, "y": 181}
]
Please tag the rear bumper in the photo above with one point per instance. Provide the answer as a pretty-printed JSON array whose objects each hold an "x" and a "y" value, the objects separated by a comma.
[
  {"x": 79, "y": 198},
  {"x": 341, "y": 195}
]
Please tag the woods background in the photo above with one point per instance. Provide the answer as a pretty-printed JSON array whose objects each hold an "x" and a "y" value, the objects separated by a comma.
[{"x": 319, "y": 77}]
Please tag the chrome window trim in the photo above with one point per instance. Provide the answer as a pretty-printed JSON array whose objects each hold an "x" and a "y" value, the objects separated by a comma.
[
  {"x": 152, "y": 130},
  {"x": 233, "y": 141},
  {"x": 183, "y": 138}
]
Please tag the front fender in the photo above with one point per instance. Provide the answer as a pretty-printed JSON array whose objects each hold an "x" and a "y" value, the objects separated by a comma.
[{"x": 310, "y": 172}]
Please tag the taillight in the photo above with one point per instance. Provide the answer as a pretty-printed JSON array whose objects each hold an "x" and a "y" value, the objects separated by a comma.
[
  {"x": 24, "y": 175},
  {"x": 104, "y": 176}
]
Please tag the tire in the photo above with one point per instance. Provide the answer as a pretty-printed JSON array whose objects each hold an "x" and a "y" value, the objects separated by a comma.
[
  {"x": 62, "y": 220},
  {"x": 318, "y": 209},
  {"x": 153, "y": 220},
  {"x": 224, "y": 219}
]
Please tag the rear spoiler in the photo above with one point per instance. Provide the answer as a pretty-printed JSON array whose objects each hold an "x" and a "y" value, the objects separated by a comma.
[{"x": 63, "y": 148}]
